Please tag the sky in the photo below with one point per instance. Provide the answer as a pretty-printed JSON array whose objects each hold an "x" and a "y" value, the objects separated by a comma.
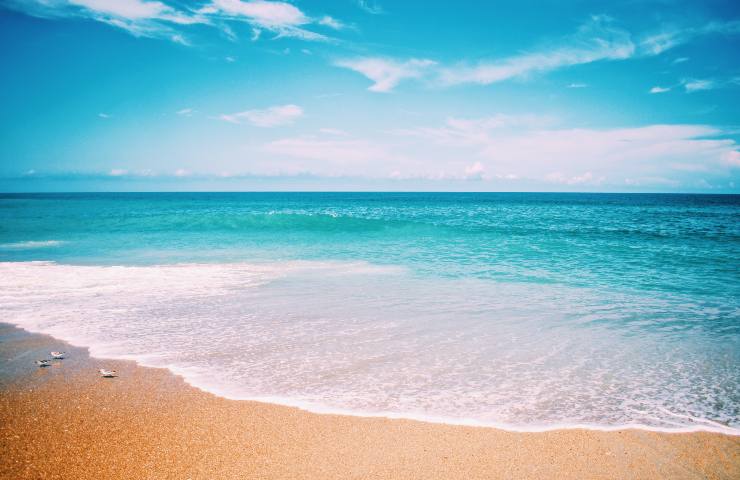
[{"x": 144, "y": 95}]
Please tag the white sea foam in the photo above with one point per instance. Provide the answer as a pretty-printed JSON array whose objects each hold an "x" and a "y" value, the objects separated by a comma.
[
  {"x": 30, "y": 244},
  {"x": 357, "y": 338}
]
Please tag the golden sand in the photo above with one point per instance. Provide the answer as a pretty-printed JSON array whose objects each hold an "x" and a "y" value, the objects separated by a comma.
[{"x": 67, "y": 422}]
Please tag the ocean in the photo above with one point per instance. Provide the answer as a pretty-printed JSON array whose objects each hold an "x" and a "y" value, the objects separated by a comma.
[{"x": 525, "y": 311}]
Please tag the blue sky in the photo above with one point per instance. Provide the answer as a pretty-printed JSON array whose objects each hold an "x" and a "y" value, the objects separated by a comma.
[{"x": 365, "y": 95}]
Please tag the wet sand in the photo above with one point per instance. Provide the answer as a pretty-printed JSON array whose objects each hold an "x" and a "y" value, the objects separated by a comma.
[{"x": 65, "y": 421}]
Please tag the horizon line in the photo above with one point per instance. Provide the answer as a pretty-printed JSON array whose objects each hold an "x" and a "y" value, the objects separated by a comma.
[{"x": 469, "y": 192}]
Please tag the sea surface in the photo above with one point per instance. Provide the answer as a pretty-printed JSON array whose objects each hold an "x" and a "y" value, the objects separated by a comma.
[{"x": 524, "y": 311}]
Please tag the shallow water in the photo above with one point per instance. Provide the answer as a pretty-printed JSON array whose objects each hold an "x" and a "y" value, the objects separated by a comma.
[{"x": 526, "y": 311}]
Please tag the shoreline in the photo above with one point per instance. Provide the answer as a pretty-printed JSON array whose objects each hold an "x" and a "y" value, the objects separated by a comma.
[
  {"x": 593, "y": 384},
  {"x": 701, "y": 425},
  {"x": 149, "y": 422}
]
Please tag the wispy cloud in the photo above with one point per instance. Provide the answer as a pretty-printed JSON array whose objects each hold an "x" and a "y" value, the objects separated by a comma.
[
  {"x": 328, "y": 149},
  {"x": 103, "y": 115},
  {"x": 185, "y": 112},
  {"x": 282, "y": 18},
  {"x": 596, "y": 40},
  {"x": 331, "y": 22},
  {"x": 694, "y": 85},
  {"x": 516, "y": 148},
  {"x": 269, "y": 117},
  {"x": 573, "y": 156},
  {"x": 157, "y": 19},
  {"x": 370, "y": 7},
  {"x": 136, "y": 10},
  {"x": 141, "y": 18},
  {"x": 474, "y": 171},
  {"x": 330, "y": 153},
  {"x": 691, "y": 85},
  {"x": 386, "y": 73},
  {"x": 732, "y": 158},
  {"x": 466, "y": 132},
  {"x": 271, "y": 15},
  {"x": 503, "y": 150},
  {"x": 657, "y": 43},
  {"x": 658, "y": 89},
  {"x": 586, "y": 178},
  {"x": 671, "y": 36}
]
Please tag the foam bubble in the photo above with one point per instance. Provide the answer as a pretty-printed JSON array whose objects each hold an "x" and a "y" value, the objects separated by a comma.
[{"x": 360, "y": 338}]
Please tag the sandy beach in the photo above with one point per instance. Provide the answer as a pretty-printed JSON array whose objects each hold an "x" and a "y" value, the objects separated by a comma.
[{"x": 65, "y": 421}]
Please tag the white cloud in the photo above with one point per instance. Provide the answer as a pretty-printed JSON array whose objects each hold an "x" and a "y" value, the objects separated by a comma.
[
  {"x": 370, "y": 7},
  {"x": 386, "y": 73},
  {"x": 331, "y": 153},
  {"x": 342, "y": 152},
  {"x": 157, "y": 19},
  {"x": 609, "y": 149},
  {"x": 269, "y": 117},
  {"x": 680, "y": 60},
  {"x": 671, "y": 37},
  {"x": 698, "y": 85},
  {"x": 228, "y": 32},
  {"x": 330, "y": 22},
  {"x": 576, "y": 156},
  {"x": 586, "y": 178},
  {"x": 267, "y": 14},
  {"x": 461, "y": 132},
  {"x": 730, "y": 27},
  {"x": 283, "y": 18},
  {"x": 658, "y": 43},
  {"x": 136, "y": 10},
  {"x": 596, "y": 40},
  {"x": 118, "y": 172},
  {"x": 103, "y": 115},
  {"x": 177, "y": 38},
  {"x": 181, "y": 172},
  {"x": 657, "y": 89},
  {"x": 124, "y": 8},
  {"x": 731, "y": 158},
  {"x": 520, "y": 148},
  {"x": 474, "y": 171},
  {"x": 599, "y": 39},
  {"x": 141, "y": 18},
  {"x": 185, "y": 112}
]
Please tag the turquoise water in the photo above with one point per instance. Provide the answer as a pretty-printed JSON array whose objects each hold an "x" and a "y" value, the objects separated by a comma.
[{"x": 521, "y": 310}]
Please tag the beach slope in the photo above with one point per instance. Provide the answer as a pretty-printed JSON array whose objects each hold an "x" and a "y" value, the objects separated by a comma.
[{"x": 65, "y": 421}]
